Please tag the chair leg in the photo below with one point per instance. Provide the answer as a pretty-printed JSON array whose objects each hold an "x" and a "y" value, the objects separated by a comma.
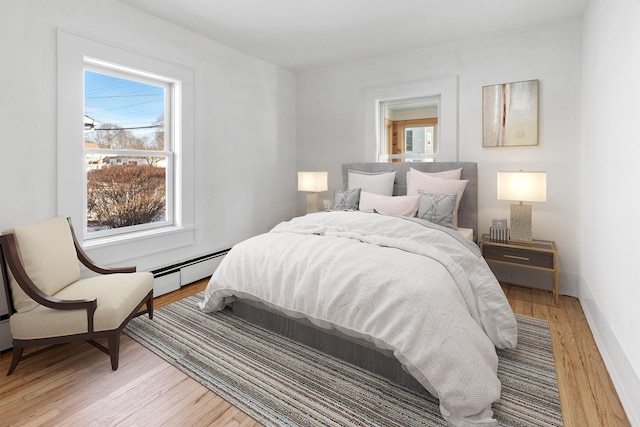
[
  {"x": 17, "y": 356},
  {"x": 114, "y": 349},
  {"x": 150, "y": 307}
]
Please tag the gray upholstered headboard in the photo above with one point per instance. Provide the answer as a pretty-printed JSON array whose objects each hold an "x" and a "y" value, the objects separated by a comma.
[{"x": 468, "y": 211}]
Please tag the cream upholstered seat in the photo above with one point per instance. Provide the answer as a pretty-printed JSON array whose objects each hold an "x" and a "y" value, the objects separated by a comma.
[{"x": 49, "y": 301}]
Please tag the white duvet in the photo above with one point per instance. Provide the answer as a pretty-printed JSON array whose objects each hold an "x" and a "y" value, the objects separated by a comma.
[{"x": 404, "y": 285}]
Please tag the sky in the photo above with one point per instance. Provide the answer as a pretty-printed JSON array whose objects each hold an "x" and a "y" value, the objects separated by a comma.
[{"x": 126, "y": 103}]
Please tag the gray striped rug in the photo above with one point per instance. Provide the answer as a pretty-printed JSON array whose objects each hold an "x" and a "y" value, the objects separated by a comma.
[{"x": 281, "y": 383}]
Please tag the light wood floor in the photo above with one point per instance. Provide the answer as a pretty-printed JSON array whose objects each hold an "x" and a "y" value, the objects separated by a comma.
[{"x": 74, "y": 384}]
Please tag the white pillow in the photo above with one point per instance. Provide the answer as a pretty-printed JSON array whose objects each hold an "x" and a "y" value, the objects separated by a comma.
[
  {"x": 377, "y": 183},
  {"x": 414, "y": 177},
  {"x": 390, "y": 205},
  {"x": 440, "y": 186}
]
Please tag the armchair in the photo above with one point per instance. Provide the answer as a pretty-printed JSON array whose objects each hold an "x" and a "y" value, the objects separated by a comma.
[{"x": 50, "y": 304}]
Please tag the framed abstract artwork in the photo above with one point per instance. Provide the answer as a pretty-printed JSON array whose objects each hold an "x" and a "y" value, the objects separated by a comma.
[{"x": 510, "y": 114}]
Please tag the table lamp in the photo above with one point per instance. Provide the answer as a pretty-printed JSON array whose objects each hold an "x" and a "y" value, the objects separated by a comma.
[
  {"x": 523, "y": 187},
  {"x": 312, "y": 183}
]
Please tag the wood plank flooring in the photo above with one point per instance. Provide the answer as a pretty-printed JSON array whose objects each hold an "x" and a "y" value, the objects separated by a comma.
[{"x": 74, "y": 384}]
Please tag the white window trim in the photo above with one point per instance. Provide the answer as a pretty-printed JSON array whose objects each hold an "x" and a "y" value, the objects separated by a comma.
[
  {"x": 73, "y": 49},
  {"x": 444, "y": 87}
]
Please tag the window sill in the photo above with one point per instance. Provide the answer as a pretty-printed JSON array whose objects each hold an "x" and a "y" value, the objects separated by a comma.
[
  {"x": 131, "y": 246},
  {"x": 138, "y": 235}
]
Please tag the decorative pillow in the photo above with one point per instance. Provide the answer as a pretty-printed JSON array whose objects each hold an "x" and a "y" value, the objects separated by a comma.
[
  {"x": 390, "y": 205},
  {"x": 416, "y": 177},
  {"x": 437, "y": 208},
  {"x": 346, "y": 200},
  {"x": 442, "y": 186},
  {"x": 377, "y": 183}
]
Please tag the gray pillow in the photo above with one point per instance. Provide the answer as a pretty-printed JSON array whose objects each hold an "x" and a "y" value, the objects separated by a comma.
[
  {"x": 437, "y": 208},
  {"x": 376, "y": 183},
  {"x": 346, "y": 200}
]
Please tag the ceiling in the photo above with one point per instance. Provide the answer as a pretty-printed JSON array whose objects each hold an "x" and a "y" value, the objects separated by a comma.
[{"x": 303, "y": 34}]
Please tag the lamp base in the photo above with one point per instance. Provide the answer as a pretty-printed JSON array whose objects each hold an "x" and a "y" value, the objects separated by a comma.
[
  {"x": 520, "y": 222},
  {"x": 312, "y": 202}
]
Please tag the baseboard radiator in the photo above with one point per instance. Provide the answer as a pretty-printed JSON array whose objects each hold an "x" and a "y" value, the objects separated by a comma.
[{"x": 175, "y": 276}]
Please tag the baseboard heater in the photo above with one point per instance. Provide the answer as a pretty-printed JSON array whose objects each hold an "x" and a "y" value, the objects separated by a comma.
[{"x": 175, "y": 276}]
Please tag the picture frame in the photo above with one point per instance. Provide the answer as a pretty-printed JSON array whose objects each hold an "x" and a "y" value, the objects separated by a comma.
[{"x": 510, "y": 114}]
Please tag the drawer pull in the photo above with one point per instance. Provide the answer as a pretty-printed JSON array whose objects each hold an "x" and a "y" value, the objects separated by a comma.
[{"x": 522, "y": 258}]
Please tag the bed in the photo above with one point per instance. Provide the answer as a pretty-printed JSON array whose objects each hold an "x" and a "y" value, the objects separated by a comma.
[{"x": 400, "y": 296}]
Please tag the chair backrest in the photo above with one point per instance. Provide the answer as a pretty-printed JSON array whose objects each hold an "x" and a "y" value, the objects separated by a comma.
[{"x": 48, "y": 256}]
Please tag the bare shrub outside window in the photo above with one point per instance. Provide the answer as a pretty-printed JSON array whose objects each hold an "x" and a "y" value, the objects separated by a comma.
[{"x": 121, "y": 196}]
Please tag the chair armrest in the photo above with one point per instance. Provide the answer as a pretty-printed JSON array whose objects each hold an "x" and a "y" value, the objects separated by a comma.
[
  {"x": 88, "y": 262},
  {"x": 10, "y": 254}
]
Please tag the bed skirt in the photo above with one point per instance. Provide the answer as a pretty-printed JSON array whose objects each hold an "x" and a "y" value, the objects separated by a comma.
[{"x": 357, "y": 352}]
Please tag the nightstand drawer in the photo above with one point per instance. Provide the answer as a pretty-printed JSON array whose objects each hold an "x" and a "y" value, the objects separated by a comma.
[
  {"x": 534, "y": 254},
  {"x": 518, "y": 256}
]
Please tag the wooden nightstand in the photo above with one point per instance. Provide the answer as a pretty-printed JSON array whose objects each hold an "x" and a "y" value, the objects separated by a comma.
[{"x": 537, "y": 254}]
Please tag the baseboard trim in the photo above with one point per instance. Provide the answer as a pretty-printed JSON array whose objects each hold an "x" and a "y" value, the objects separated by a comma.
[
  {"x": 163, "y": 271},
  {"x": 625, "y": 380},
  {"x": 173, "y": 277}
]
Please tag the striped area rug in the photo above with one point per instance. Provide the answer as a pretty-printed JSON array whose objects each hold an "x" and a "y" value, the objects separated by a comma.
[{"x": 281, "y": 383}]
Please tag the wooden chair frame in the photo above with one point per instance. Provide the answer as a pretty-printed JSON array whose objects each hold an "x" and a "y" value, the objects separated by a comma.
[{"x": 10, "y": 258}]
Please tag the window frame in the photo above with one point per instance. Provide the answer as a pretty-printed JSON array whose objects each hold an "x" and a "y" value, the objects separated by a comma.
[
  {"x": 73, "y": 49},
  {"x": 172, "y": 92},
  {"x": 374, "y": 126}
]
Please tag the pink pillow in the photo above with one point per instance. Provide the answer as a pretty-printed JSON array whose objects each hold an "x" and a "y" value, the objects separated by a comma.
[
  {"x": 414, "y": 177},
  {"x": 448, "y": 174},
  {"x": 440, "y": 186},
  {"x": 390, "y": 205}
]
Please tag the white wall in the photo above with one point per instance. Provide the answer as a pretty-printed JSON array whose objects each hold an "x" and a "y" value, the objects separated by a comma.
[
  {"x": 330, "y": 124},
  {"x": 244, "y": 120},
  {"x": 246, "y": 148},
  {"x": 610, "y": 288}
]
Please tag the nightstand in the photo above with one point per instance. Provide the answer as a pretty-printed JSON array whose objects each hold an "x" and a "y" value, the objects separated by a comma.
[{"x": 536, "y": 254}]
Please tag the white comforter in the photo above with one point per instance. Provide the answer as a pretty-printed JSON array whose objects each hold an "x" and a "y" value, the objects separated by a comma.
[{"x": 424, "y": 294}]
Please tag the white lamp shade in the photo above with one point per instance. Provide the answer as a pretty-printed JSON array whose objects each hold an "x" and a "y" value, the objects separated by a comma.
[
  {"x": 522, "y": 186},
  {"x": 312, "y": 181}
]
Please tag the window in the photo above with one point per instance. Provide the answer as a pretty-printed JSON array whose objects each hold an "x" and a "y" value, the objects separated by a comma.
[
  {"x": 128, "y": 150},
  {"x": 137, "y": 127},
  {"x": 411, "y": 131},
  {"x": 377, "y": 132}
]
